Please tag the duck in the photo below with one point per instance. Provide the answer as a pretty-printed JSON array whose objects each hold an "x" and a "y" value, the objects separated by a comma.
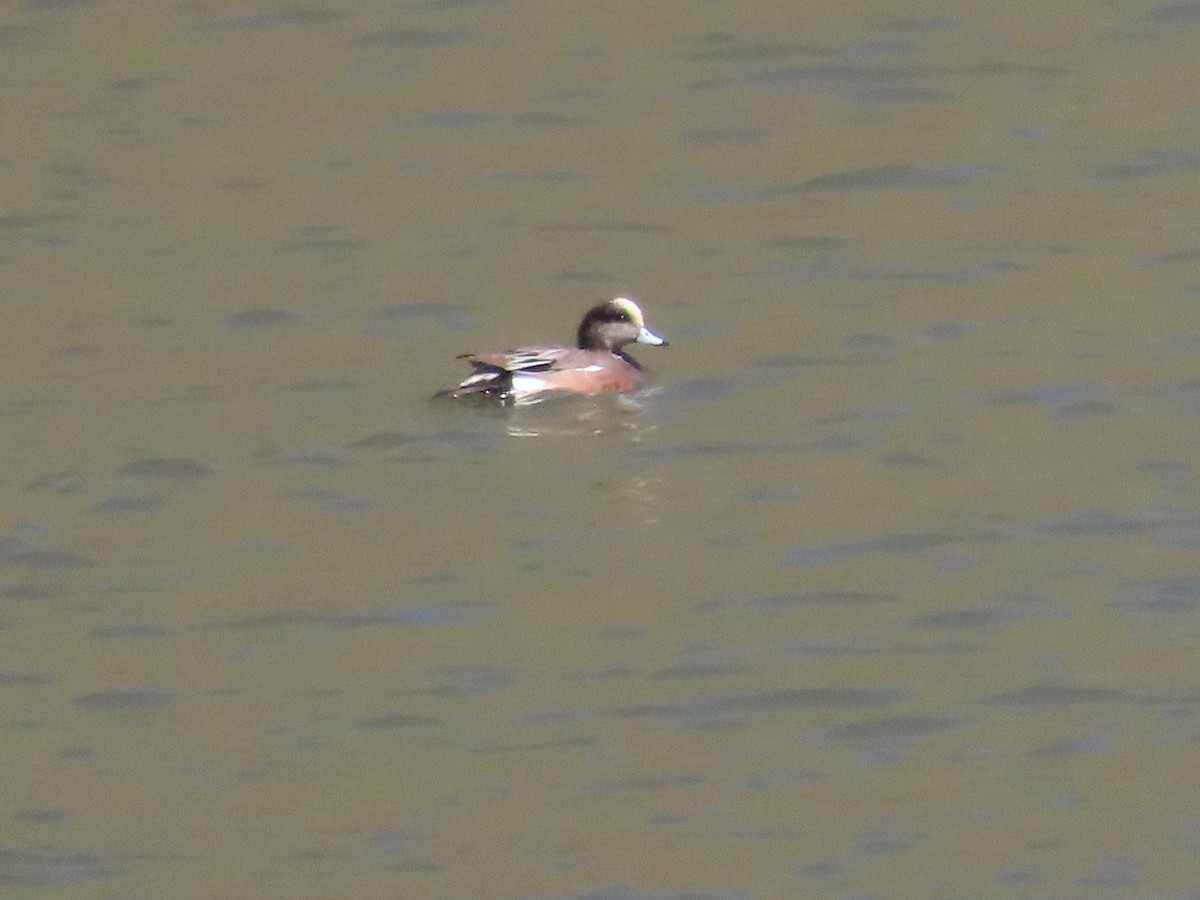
[{"x": 597, "y": 364}]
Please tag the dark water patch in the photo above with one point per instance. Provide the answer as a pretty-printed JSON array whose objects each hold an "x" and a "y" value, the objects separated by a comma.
[
  {"x": 808, "y": 361},
  {"x": 1072, "y": 747},
  {"x": 896, "y": 728},
  {"x": 774, "y": 604},
  {"x": 27, "y": 591},
  {"x": 1187, "y": 387},
  {"x": 776, "y": 782},
  {"x": 260, "y": 319},
  {"x": 61, "y": 482},
  {"x": 317, "y": 459},
  {"x": 673, "y": 781},
  {"x": 451, "y": 5},
  {"x": 121, "y": 507},
  {"x": 18, "y": 678},
  {"x": 528, "y": 120},
  {"x": 698, "y": 390},
  {"x": 819, "y": 243},
  {"x": 55, "y": 868},
  {"x": 82, "y": 177},
  {"x": 1098, "y": 523},
  {"x": 124, "y": 700},
  {"x": 1050, "y": 395},
  {"x": 333, "y": 502},
  {"x": 576, "y": 742},
  {"x": 387, "y": 440},
  {"x": 58, "y": 5},
  {"x": 417, "y": 309},
  {"x": 396, "y": 722},
  {"x": 1173, "y": 257},
  {"x": 764, "y": 702},
  {"x": 839, "y": 445},
  {"x": 1084, "y": 409},
  {"x": 688, "y": 671},
  {"x": 897, "y": 95},
  {"x": 707, "y": 137},
  {"x": 722, "y": 46},
  {"x": 1113, "y": 871},
  {"x": 470, "y": 680},
  {"x": 434, "y": 446},
  {"x": 838, "y": 76},
  {"x": 912, "y": 461},
  {"x": 41, "y": 815},
  {"x": 901, "y": 544},
  {"x": 523, "y": 177},
  {"x": 403, "y": 318},
  {"x": 44, "y": 560},
  {"x": 321, "y": 385},
  {"x": 22, "y": 221},
  {"x": 1031, "y": 131},
  {"x": 947, "y": 331},
  {"x": 881, "y": 178},
  {"x": 1150, "y": 164},
  {"x": 730, "y": 449},
  {"x": 871, "y": 342},
  {"x": 320, "y": 239},
  {"x": 980, "y": 617},
  {"x": 969, "y": 273},
  {"x": 921, "y": 25},
  {"x": 419, "y": 615},
  {"x": 1175, "y": 15},
  {"x": 244, "y": 185},
  {"x": 1049, "y": 694},
  {"x": 166, "y": 467},
  {"x": 414, "y": 39},
  {"x": 1168, "y": 595},
  {"x": 611, "y": 227},
  {"x": 624, "y": 892},
  {"x": 885, "y": 841},
  {"x": 14, "y": 36},
  {"x": 130, "y": 631},
  {"x": 584, "y": 276},
  {"x": 132, "y": 84},
  {"x": 274, "y": 18}
]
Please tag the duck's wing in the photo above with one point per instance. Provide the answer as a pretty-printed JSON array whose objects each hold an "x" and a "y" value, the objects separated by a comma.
[{"x": 524, "y": 359}]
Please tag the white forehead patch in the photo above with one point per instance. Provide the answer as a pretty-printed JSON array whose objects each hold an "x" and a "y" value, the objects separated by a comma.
[{"x": 629, "y": 306}]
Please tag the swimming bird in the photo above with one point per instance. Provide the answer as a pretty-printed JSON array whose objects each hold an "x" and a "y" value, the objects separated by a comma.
[{"x": 598, "y": 364}]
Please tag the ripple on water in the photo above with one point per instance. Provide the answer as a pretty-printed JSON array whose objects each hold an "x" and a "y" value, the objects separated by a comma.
[
  {"x": 260, "y": 319},
  {"x": 774, "y": 604},
  {"x": 120, "y": 507},
  {"x": 17, "y": 553},
  {"x": 396, "y": 722},
  {"x": 414, "y": 38},
  {"x": 892, "y": 177},
  {"x": 764, "y": 702},
  {"x": 892, "y": 729},
  {"x": 55, "y": 868},
  {"x": 166, "y": 467},
  {"x": 124, "y": 699},
  {"x": 1049, "y": 694},
  {"x": 1168, "y": 595},
  {"x": 276, "y": 18}
]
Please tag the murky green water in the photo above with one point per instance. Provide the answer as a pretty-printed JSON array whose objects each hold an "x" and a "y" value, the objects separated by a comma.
[{"x": 889, "y": 588}]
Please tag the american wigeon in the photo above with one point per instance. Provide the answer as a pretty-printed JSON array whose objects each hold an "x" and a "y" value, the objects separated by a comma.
[{"x": 598, "y": 365}]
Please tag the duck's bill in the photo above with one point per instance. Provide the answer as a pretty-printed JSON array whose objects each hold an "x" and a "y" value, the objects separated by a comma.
[{"x": 646, "y": 336}]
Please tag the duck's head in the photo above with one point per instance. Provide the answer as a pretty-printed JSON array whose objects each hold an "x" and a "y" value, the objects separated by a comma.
[{"x": 612, "y": 325}]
